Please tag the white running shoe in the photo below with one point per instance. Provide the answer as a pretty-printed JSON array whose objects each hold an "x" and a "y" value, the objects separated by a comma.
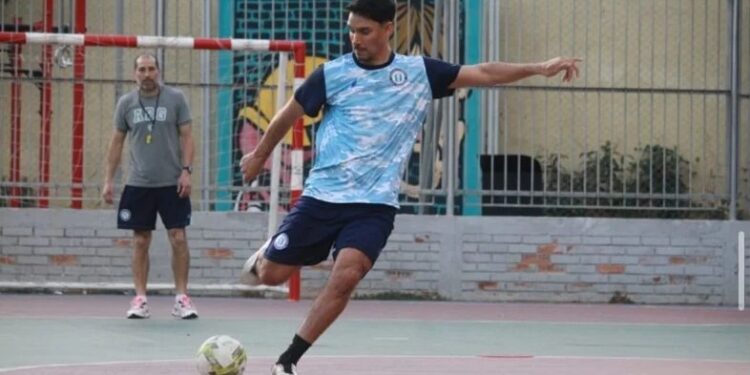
[
  {"x": 138, "y": 308},
  {"x": 278, "y": 369},
  {"x": 184, "y": 308},
  {"x": 249, "y": 275}
]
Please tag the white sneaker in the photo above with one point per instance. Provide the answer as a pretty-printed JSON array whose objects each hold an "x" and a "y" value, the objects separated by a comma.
[
  {"x": 184, "y": 308},
  {"x": 138, "y": 308},
  {"x": 249, "y": 275},
  {"x": 278, "y": 369}
]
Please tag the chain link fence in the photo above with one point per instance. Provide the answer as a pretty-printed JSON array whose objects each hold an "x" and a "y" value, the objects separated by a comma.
[{"x": 647, "y": 130}]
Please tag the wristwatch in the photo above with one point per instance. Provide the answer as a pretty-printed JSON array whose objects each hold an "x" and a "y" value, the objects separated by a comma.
[{"x": 188, "y": 168}]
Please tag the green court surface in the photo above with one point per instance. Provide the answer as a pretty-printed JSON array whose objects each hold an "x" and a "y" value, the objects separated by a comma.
[{"x": 72, "y": 332}]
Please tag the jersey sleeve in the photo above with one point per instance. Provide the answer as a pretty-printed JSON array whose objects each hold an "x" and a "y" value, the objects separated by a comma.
[
  {"x": 120, "y": 121},
  {"x": 183, "y": 110},
  {"x": 312, "y": 94},
  {"x": 440, "y": 74}
]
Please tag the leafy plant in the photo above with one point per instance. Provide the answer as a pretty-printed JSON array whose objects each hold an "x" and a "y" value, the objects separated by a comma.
[
  {"x": 655, "y": 173},
  {"x": 601, "y": 171},
  {"x": 659, "y": 170}
]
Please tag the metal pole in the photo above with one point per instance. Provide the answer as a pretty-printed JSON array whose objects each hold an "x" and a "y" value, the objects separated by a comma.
[
  {"x": 119, "y": 63},
  {"x": 79, "y": 74},
  {"x": 297, "y": 153},
  {"x": 61, "y": 14},
  {"x": 450, "y": 162},
  {"x": 733, "y": 110},
  {"x": 206, "y": 94},
  {"x": 224, "y": 112},
  {"x": 15, "y": 122},
  {"x": 431, "y": 128},
  {"x": 46, "y": 108},
  {"x": 273, "y": 207},
  {"x": 471, "y": 174},
  {"x": 160, "y": 27}
]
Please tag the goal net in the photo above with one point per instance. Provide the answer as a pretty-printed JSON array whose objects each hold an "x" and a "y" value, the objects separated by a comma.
[{"x": 61, "y": 91}]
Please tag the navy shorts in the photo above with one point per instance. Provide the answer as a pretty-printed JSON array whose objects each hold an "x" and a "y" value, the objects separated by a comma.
[
  {"x": 139, "y": 206},
  {"x": 314, "y": 227}
]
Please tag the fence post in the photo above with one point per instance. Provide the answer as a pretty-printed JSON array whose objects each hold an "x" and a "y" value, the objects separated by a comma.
[
  {"x": 733, "y": 110},
  {"x": 472, "y": 201}
]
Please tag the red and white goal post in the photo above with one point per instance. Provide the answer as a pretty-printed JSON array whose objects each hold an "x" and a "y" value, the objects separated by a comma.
[{"x": 78, "y": 180}]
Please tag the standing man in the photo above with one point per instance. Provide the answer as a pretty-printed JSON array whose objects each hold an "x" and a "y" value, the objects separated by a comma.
[
  {"x": 375, "y": 103},
  {"x": 158, "y": 120}
]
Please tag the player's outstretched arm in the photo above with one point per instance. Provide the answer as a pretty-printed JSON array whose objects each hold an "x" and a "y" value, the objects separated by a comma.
[
  {"x": 499, "y": 73},
  {"x": 252, "y": 162}
]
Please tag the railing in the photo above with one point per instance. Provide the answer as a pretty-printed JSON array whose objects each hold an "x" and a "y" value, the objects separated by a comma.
[{"x": 656, "y": 125}]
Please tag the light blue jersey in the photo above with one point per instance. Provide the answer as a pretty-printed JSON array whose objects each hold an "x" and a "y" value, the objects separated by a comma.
[{"x": 373, "y": 115}]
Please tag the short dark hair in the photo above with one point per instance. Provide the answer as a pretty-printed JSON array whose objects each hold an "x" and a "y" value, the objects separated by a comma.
[
  {"x": 147, "y": 54},
  {"x": 377, "y": 10}
]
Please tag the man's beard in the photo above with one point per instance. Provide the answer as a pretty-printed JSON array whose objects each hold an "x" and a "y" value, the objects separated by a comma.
[{"x": 148, "y": 86}]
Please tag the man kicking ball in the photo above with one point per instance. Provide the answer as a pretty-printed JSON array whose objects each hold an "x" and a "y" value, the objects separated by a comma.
[{"x": 375, "y": 102}]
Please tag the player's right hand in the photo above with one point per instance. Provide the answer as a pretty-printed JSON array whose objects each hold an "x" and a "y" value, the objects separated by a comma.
[
  {"x": 107, "y": 193},
  {"x": 250, "y": 165}
]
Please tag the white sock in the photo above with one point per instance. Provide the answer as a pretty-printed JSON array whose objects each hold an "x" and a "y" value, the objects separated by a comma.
[{"x": 179, "y": 297}]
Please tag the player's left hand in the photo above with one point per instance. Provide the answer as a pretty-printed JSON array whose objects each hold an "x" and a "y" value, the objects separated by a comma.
[
  {"x": 184, "y": 185},
  {"x": 554, "y": 66}
]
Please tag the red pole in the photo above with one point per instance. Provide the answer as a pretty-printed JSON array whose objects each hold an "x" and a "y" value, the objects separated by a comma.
[
  {"x": 295, "y": 281},
  {"x": 79, "y": 73},
  {"x": 15, "y": 124},
  {"x": 298, "y": 133},
  {"x": 46, "y": 109}
]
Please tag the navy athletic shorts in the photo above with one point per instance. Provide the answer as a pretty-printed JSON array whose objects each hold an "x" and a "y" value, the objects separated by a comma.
[
  {"x": 139, "y": 206},
  {"x": 314, "y": 227}
]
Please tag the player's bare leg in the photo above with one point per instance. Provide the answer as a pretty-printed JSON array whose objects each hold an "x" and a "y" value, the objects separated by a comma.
[
  {"x": 140, "y": 265},
  {"x": 180, "y": 259},
  {"x": 183, "y": 305},
  {"x": 140, "y": 260},
  {"x": 350, "y": 267}
]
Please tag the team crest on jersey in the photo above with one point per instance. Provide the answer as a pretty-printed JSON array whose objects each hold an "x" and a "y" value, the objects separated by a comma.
[
  {"x": 281, "y": 241},
  {"x": 398, "y": 77},
  {"x": 125, "y": 214}
]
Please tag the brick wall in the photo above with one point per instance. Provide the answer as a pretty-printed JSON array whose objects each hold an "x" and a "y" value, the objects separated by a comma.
[
  {"x": 461, "y": 258},
  {"x": 83, "y": 247}
]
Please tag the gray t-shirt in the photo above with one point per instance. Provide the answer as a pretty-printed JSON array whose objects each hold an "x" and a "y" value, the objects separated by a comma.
[{"x": 154, "y": 136}]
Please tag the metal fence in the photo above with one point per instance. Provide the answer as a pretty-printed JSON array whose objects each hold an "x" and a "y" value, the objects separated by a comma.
[
  {"x": 648, "y": 130},
  {"x": 655, "y": 126}
]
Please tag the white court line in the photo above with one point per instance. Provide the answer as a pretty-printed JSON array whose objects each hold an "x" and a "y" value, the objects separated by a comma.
[
  {"x": 403, "y": 320},
  {"x": 708, "y": 360},
  {"x": 485, "y": 356},
  {"x": 64, "y": 365},
  {"x": 741, "y": 271},
  {"x": 548, "y": 322}
]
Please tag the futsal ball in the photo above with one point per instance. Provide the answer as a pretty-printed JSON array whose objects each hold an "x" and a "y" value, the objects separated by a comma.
[{"x": 221, "y": 355}]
